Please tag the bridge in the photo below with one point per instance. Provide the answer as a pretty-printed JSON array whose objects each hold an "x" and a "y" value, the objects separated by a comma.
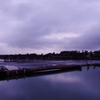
[{"x": 12, "y": 72}]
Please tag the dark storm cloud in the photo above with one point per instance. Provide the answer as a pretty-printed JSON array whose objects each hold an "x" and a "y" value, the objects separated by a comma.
[
  {"x": 25, "y": 23},
  {"x": 89, "y": 40}
]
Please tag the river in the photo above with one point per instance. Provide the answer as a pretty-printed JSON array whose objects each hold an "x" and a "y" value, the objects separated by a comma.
[{"x": 74, "y": 85}]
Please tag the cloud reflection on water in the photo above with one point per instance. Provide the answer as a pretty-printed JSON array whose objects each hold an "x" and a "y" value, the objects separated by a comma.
[
  {"x": 63, "y": 78},
  {"x": 76, "y": 85}
]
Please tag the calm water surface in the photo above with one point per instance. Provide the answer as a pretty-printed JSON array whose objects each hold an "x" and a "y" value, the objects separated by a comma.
[{"x": 75, "y": 85}]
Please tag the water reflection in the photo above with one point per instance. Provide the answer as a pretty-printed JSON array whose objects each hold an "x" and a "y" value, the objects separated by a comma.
[
  {"x": 47, "y": 72},
  {"x": 83, "y": 85},
  {"x": 72, "y": 85}
]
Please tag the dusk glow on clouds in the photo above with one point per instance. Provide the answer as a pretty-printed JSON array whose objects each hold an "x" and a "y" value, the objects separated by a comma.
[{"x": 43, "y": 26}]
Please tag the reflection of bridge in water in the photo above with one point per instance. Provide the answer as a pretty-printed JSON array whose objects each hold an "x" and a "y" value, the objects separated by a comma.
[{"x": 7, "y": 74}]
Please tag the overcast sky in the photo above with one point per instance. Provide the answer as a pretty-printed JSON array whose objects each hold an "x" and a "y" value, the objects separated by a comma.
[{"x": 43, "y": 26}]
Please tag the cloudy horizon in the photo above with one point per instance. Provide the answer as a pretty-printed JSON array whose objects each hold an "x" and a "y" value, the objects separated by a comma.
[{"x": 43, "y": 26}]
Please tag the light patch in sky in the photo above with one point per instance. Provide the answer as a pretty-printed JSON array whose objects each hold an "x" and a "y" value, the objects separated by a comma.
[
  {"x": 1, "y": 33},
  {"x": 19, "y": 1},
  {"x": 61, "y": 36}
]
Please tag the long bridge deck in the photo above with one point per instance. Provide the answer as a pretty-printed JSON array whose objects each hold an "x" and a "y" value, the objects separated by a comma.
[{"x": 7, "y": 74}]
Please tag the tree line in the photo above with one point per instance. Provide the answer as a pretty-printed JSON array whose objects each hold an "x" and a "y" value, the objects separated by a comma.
[{"x": 63, "y": 55}]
